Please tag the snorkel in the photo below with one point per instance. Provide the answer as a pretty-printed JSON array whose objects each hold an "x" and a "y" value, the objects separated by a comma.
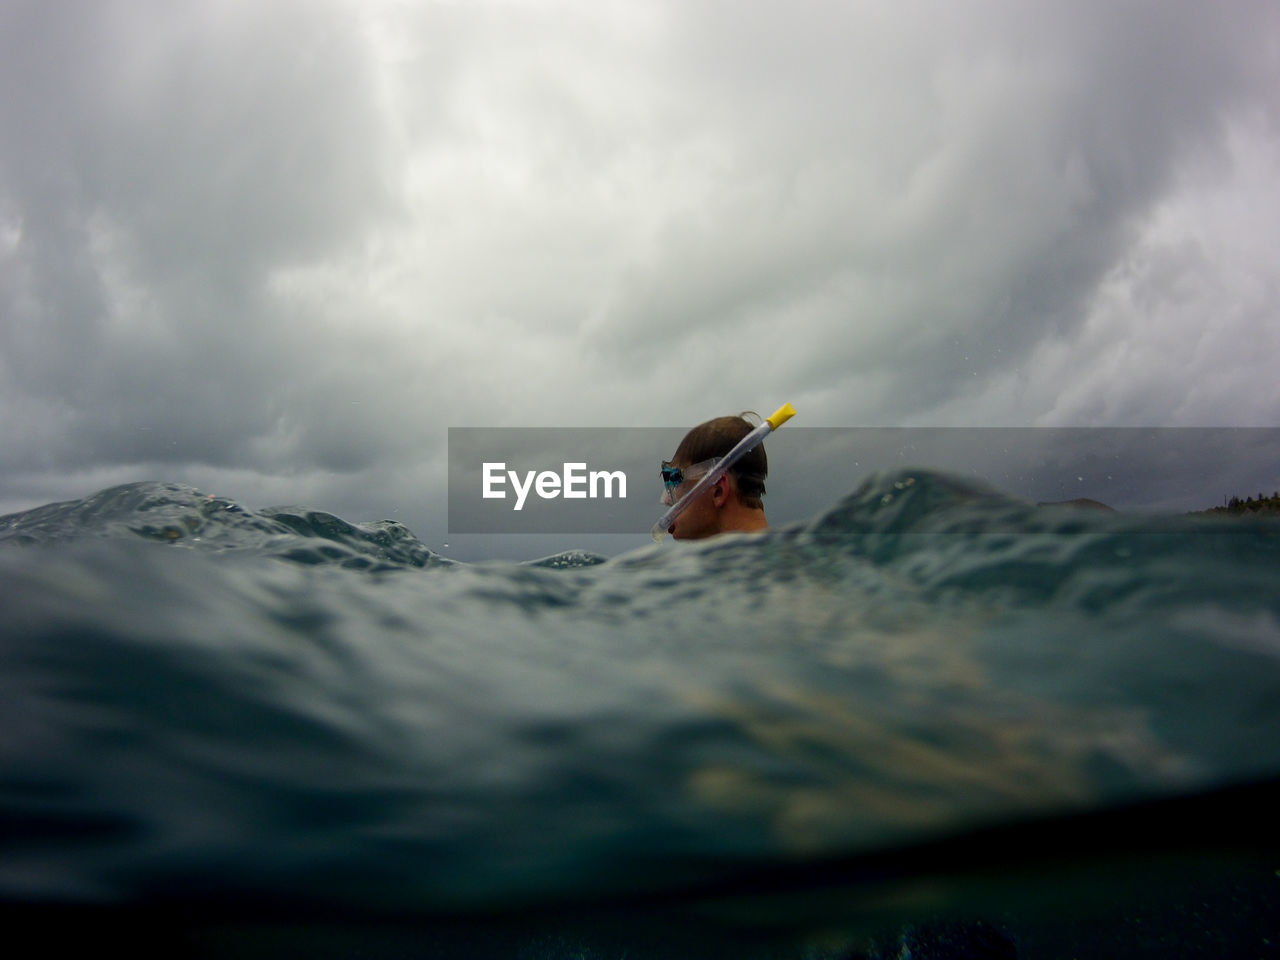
[{"x": 740, "y": 449}]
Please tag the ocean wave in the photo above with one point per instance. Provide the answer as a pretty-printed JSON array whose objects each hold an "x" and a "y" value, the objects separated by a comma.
[{"x": 198, "y": 700}]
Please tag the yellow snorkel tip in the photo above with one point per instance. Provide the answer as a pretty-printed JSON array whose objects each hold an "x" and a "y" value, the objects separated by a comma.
[{"x": 781, "y": 416}]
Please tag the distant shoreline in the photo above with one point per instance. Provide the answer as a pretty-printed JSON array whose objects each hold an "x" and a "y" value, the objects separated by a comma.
[{"x": 1249, "y": 505}]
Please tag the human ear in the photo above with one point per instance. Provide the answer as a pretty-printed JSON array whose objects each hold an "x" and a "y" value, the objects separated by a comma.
[{"x": 720, "y": 490}]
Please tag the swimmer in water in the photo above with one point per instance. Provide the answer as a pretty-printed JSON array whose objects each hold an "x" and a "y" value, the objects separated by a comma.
[{"x": 732, "y": 504}]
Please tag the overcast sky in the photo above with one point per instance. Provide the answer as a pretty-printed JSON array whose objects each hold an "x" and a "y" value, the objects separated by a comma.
[{"x": 276, "y": 249}]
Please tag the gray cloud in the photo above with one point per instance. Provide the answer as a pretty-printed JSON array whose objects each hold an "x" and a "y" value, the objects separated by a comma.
[
  {"x": 285, "y": 246},
  {"x": 949, "y": 241},
  {"x": 173, "y": 155}
]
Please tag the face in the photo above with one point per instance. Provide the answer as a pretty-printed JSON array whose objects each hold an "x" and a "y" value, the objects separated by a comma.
[{"x": 700, "y": 518}]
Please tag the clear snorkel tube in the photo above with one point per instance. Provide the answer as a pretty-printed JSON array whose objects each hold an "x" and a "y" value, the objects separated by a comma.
[{"x": 740, "y": 449}]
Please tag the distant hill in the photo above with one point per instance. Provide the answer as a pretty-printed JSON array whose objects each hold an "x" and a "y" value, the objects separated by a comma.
[{"x": 1077, "y": 502}]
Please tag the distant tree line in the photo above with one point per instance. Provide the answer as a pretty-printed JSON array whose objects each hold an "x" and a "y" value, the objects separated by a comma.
[{"x": 1260, "y": 504}]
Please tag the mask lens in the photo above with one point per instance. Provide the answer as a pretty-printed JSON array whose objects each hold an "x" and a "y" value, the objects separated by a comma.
[{"x": 674, "y": 477}]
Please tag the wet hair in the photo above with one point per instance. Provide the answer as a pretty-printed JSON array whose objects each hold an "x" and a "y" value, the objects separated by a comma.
[{"x": 717, "y": 437}]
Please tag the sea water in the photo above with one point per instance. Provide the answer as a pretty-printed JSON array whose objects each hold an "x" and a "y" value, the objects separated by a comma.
[{"x": 933, "y": 720}]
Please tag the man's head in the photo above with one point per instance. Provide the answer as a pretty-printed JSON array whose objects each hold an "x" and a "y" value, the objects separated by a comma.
[{"x": 732, "y": 503}]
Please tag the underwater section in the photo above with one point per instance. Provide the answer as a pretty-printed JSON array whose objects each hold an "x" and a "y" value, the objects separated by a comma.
[{"x": 932, "y": 704}]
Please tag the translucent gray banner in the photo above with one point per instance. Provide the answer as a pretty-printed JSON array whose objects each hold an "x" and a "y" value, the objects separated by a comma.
[{"x": 605, "y": 480}]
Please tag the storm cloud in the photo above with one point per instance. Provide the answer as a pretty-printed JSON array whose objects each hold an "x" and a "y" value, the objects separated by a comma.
[{"x": 276, "y": 250}]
